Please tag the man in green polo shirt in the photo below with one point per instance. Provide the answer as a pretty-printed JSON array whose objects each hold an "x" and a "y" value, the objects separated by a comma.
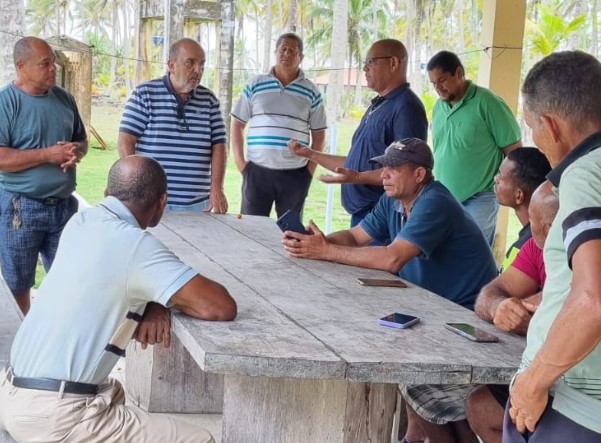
[
  {"x": 556, "y": 396},
  {"x": 472, "y": 129}
]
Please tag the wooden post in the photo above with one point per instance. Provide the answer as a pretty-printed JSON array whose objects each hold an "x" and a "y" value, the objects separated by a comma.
[
  {"x": 286, "y": 410},
  {"x": 174, "y": 24},
  {"x": 169, "y": 380},
  {"x": 503, "y": 33}
]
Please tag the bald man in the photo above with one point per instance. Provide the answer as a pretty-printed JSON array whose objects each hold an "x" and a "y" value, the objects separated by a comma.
[
  {"x": 125, "y": 278},
  {"x": 42, "y": 138},
  {"x": 509, "y": 302},
  {"x": 394, "y": 114}
]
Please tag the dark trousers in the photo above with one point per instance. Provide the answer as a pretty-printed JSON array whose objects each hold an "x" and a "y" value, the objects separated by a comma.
[
  {"x": 552, "y": 427},
  {"x": 262, "y": 187}
]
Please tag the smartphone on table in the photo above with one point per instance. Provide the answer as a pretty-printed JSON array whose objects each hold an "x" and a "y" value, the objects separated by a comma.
[
  {"x": 384, "y": 282},
  {"x": 290, "y": 221},
  {"x": 471, "y": 332},
  {"x": 398, "y": 320}
]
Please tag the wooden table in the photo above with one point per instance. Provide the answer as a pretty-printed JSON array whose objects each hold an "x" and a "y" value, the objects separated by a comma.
[{"x": 306, "y": 360}]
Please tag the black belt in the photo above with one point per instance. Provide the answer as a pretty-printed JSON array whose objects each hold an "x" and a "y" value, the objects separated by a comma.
[
  {"x": 49, "y": 384},
  {"x": 48, "y": 201}
]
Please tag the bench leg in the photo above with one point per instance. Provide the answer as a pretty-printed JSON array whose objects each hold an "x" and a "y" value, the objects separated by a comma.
[
  {"x": 285, "y": 410},
  {"x": 169, "y": 380}
]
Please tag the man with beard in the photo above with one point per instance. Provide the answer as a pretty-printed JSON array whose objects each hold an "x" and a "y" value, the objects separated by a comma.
[{"x": 178, "y": 122}]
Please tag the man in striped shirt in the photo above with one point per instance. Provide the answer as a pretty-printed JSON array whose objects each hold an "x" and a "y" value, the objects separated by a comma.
[
  {"x": 280, "y": 106},
  {"x": 178, "y": 122}
]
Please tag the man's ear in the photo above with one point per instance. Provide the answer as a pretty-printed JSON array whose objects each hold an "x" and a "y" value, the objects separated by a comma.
[
  {"x": 163, "y": 200},
  {"x": 519, "y": 196},
  {"x": 171, "y": 65},
  {"x": 550, "y": 126}
]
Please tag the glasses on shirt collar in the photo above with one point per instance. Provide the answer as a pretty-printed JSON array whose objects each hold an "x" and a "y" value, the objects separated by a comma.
[{"x": 182, "y": 123}]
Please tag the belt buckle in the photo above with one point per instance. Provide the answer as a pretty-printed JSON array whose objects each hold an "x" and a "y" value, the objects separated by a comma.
[{"x": 51, "y": 201}]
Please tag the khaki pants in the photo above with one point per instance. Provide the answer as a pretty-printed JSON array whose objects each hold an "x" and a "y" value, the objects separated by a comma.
[{"x": 42, "y": 416}]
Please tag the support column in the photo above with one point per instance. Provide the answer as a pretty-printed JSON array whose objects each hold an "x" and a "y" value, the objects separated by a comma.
[
  {"x": 286, "y": 410},
  {"x": 174, "y": 24},
  {"x": 503, "y": 32}
]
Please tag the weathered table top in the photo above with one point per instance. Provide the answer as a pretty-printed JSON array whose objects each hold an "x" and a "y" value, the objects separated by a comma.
[{"x": 311, "y": 319}]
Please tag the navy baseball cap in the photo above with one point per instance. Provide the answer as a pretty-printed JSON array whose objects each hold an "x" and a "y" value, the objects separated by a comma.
[{"x": 408, "y": 150}]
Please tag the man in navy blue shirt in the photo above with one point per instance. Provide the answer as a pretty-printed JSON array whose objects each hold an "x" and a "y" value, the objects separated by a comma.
[
  {"x": 433, "y": 242},
  {"x": 396, "y": 113}
]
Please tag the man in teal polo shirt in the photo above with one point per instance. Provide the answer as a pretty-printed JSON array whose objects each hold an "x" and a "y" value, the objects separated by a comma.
[
  {"x": 556, "y": 396},
  {"x": 472, "y": 129}
]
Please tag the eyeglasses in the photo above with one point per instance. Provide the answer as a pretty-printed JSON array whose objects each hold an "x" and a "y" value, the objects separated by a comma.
[
  {"x": 181, "y": 116},
  {"x": 370, "y": 61}
]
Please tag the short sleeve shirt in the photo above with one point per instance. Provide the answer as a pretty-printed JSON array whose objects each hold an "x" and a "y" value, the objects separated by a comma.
[
  {"x": 455, "y": 260},
  {"x": 397, "y": 115},
  {"x": 468, "y": 139},
  {"x": 37, "y": 122},
  {"x": 578, "y": 221},
  {"x": 277, "y": 114},
  {"x": 87, "y": 308},
  {"x": 530, "y": 261}
]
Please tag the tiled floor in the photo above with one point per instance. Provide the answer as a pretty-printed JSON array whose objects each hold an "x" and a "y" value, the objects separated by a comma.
[{"x": 211, "y": 422}]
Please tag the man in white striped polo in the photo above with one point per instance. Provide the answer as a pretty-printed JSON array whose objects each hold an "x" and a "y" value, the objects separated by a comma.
[
  {"x": 279, "y": 106},
  {"x": 178, "y": 122}
]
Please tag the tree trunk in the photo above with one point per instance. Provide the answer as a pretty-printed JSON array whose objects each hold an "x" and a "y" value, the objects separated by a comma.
[
  {"x": 595, "y": 36},
  {"x": 416, "y": 83},
  {"x": 292, "y": 16},
  {"x": 268, "y": 23},
  {"x": 580, "y": 8},
  {"x": 338, "y": 50},
  {"x": 12, "y": 23}
]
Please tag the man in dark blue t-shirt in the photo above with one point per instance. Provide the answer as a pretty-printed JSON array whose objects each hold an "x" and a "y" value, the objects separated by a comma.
[{"x": 434, "y": 243}]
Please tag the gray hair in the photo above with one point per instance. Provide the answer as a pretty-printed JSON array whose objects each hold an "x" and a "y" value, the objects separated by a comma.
[
  {"x": 566, "y": 84},
  {"x": 137, "y": 180},
  {"x": 174, "y": 48},
  {"x": 23, "y": 48},
  {"x": 291, "y": 36}
]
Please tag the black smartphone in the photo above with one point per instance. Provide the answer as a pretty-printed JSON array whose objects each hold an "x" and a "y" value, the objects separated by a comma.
[
  {"x": 398, "y": 320},
  {"x": 386, "y": 282},
  {"x": 289, "y": 221},
  {"x": 471, "y": 332}
]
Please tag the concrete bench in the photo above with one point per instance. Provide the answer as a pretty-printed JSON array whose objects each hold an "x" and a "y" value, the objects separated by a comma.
[{"x": 10, "y": 319}]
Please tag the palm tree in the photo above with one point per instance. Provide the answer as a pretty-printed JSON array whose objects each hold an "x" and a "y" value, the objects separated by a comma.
[
  {"x": 552, "y": 30},
  {"x": 12, "y": 25}
]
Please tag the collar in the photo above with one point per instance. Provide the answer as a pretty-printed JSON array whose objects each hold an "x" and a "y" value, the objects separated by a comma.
[
  {"x": 587, "y": 145},
  {"x": 399, "y": 206},
  {"x": 379, "y": 99},
  {"x": 469, "y": 93},
  {"x": 300, "y": 76},
  {"x": 169, "y": 86},
  {"x": 119, "y": 210}
]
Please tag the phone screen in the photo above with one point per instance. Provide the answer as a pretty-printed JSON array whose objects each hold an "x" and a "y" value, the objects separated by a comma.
[
  {"x": 471, "y": 332},
  {"x": 398, "y": 320}
]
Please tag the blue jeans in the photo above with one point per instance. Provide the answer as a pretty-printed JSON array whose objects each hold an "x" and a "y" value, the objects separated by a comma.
[
  {"x": 484, "y": 208},
  {"x": 197, "y": 207},
  {"x": 29, "y": 228}
]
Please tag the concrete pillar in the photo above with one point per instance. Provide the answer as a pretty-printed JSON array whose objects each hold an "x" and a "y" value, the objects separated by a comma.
[{"x": 502, "y": 32}]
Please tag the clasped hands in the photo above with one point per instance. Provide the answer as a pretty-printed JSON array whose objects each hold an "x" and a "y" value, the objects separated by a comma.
[
  {"x": 155, "y": 326},
  {"x": 66, "y": 154},
  {"x": 313, "y": 245}
]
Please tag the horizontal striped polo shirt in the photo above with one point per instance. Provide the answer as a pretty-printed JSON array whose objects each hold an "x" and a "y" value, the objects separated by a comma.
[
  {"x": 277, "y": 114},
  {"x": 180, "y": 136}
]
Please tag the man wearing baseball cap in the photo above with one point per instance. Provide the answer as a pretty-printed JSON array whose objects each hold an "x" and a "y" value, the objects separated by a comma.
[{"x": 431, "y": 242}]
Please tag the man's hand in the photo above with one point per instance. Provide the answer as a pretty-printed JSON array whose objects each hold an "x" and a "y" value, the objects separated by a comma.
[
  {"x": 217, "y": 202},
  {"x": 299, "y": 149},
  {"x": 528, "y": 402},
  {"x": 343, "y": 176},
  {"x": 65, "y": 154},
  {"x": 513, "y": 315},
  {"x": 313, "y": 245},
  {"x": 241, "y": 165},
  {"x": 155, "y": 326}
]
